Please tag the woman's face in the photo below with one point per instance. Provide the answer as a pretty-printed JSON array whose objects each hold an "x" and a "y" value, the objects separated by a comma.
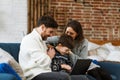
[{"x": 69, "y": 31}]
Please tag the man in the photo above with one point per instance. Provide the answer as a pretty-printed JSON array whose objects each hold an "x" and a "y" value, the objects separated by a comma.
[{"x": 34, "y": 57}]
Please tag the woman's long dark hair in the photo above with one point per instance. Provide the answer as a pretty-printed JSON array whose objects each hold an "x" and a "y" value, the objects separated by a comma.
[{"x": 76, "y": 26}]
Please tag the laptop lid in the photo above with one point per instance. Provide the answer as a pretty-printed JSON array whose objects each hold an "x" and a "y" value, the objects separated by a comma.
[{"x": 81, "y": 66}]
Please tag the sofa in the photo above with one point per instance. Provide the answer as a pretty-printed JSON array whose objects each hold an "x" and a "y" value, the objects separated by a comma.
[{"x": 13, "y": 49}]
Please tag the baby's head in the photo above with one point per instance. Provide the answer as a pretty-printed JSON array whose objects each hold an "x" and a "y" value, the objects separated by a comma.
[{"x": 66, "y": 43}]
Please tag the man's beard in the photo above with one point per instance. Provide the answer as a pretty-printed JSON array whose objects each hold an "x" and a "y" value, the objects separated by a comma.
[{"x": 44, "y": 38}]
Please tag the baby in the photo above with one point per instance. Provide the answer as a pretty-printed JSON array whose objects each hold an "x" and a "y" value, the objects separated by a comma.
[{"x": 61, "y": 60}]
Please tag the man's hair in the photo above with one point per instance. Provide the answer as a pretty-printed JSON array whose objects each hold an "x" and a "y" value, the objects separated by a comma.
[
  {"x": 48, "y": 21},
  {"x": 66, "y": 40}
]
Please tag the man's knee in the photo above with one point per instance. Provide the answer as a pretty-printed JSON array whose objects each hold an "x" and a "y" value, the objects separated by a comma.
[
  {"x": 52, "y": 76},
  {"x": 64, "y": 76}
]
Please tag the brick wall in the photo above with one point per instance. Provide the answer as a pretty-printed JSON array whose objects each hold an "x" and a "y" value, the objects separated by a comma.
[{"x": 100, "y": 19}]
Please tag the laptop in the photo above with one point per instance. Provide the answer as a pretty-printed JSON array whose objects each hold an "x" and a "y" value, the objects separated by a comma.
[{"x": 81, "y": 66}]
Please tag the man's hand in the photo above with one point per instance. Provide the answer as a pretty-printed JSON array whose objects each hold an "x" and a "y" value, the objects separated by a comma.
[{"x": 51, "y": 52}]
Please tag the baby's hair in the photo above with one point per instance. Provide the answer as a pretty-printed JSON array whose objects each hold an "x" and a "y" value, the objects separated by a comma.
[{"x": 66, "y": 40}]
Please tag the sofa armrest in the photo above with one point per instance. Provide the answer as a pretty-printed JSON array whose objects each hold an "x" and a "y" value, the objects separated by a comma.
[
  {"x": 6, "y": 76},
  {"x": 112, "y": 68},
  {"x": 12, "y": 48}
]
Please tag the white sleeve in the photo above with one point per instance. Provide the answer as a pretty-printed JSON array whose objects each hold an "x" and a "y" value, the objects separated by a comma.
[{"x": 34, "y": 54}]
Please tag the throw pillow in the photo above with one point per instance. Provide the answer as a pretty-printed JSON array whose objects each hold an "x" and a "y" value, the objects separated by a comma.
[
  {"x": 92, "y": 45},
  {"x": 98, "y": 54},
  {"x": 6, "y": 68},
  {"x": 5, "y": 57},
  {"x": 114, "y": 56},
  {"x": 92, "y": 52},
  {"x": 102, "y": 52}
]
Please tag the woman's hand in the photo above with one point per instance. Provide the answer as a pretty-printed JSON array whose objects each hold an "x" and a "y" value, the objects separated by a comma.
[
  {"x": 66, "y": 67},
  {"x": 51, "y": 52}
]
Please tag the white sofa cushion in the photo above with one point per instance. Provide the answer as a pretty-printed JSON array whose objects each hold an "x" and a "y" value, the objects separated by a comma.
[
  {"x": 5, "y": 57},
  {"x": 92, "y": 45}
]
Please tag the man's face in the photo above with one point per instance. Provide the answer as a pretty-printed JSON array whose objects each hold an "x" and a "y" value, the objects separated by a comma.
[{"x": 47, "y": 32}]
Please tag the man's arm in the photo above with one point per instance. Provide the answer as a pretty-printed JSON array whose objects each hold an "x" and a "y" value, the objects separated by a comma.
[{"x": 34, "y": 54}]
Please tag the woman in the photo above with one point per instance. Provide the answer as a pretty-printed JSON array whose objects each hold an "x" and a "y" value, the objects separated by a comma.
[
  {"x": 74, "y": 29},
  {"x": 80, "y": 51}
]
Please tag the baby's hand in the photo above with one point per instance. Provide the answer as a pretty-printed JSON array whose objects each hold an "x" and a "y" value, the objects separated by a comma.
[{"x": 67, "y": 67}]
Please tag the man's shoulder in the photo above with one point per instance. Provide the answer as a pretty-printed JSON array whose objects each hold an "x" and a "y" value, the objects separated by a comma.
[
  {"x": 28, "y": 40},
  {"x": 27, "y": 37}
]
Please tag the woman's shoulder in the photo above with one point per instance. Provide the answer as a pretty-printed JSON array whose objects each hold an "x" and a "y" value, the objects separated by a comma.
[{"x": 84, "y": 42}]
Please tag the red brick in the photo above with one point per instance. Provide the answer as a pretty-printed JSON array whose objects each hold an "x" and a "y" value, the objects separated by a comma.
[{"x": 98, "y": 17}]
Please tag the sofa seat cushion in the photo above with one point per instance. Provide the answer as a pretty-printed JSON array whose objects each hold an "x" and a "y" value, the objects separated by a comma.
[{"x": 111, "y": 67}]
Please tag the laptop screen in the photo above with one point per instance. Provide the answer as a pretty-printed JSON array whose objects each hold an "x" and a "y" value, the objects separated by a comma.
[{"x": 81, "y": 66}]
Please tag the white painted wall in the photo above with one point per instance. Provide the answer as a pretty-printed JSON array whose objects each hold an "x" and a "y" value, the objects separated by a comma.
[{"x": 13, "y": 20}]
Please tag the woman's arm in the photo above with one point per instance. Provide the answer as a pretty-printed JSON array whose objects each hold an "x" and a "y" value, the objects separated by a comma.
[
  {"x": 52, "y": 40},
  {"x": 84, "y": 49},
  {"x": 80, "y": 53}
]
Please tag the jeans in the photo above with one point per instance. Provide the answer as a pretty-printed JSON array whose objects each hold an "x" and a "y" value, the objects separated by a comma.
[
  {"x": 59, "y": 76},
  {"x": 79, "y": 77},
  {"x": 52, "y": 76}
]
